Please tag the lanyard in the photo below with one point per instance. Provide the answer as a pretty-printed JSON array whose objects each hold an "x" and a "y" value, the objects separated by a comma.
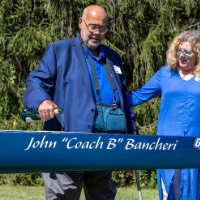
[{"x": 96, "y": 83}]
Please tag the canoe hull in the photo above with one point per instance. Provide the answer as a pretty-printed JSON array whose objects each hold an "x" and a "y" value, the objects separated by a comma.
[{"x": 23, "y": 151}]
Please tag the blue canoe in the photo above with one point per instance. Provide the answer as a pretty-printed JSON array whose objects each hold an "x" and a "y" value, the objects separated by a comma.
[{"x": 32, "y": 151}]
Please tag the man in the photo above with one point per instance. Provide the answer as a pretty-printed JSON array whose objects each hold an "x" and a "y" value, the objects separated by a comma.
[{"x": 64, "y": 79}]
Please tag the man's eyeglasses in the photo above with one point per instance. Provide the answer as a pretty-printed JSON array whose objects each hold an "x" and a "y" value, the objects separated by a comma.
[
  {"x": 96, "y": 27},
  {"x": 179, "y": 51}
]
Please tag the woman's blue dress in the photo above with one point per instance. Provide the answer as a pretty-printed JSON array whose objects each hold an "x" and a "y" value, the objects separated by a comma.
[{"x": 179, "y": 116}]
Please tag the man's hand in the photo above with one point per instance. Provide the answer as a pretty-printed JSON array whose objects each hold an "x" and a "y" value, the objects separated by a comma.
[{"x": 46, "y": 110}]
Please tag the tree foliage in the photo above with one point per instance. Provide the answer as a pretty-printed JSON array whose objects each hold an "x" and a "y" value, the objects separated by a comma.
[{"x": 139, "y": 30}]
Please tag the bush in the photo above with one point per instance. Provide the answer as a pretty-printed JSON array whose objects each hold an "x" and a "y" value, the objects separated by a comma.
[
  {"x": 127, "y": 178},
  {"x": 120, "y": 178},
  {"x": 22, "y": 179}
]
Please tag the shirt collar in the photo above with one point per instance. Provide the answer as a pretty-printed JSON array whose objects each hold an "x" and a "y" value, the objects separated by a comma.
[{"x": 100, "y": 52}]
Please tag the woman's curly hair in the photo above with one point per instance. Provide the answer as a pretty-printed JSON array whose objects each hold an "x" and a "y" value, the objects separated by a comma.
[{"x": 191, "y": 36}]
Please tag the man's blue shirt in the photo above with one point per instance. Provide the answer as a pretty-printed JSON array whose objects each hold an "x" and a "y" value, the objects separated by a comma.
[{"x": 106, "y": 93}]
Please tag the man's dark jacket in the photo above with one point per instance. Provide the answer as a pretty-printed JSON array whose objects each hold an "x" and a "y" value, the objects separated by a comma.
[{"x": 63, "y": 77}]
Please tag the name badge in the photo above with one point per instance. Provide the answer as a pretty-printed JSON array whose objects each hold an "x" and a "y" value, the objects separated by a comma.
[{"x": 117, "y": 69}]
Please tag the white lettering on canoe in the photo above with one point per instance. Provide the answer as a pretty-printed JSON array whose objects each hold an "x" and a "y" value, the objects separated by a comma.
[
  {"x": 75, "y": 143},
  {"x": 157, "y": 145},
  {"x": 41, "y": 144}
]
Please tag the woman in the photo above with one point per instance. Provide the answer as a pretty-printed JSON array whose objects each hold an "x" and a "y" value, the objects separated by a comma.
[{"x": 178, "y": 83}]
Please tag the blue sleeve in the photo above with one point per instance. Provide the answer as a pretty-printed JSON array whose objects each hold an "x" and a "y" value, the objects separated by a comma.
[
  {"x": 40, "y": 82},
  {"x": 148, "y": 91}
]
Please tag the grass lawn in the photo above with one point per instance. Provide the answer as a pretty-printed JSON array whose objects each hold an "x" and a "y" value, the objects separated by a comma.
[{"x": 8, "y": 192}]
